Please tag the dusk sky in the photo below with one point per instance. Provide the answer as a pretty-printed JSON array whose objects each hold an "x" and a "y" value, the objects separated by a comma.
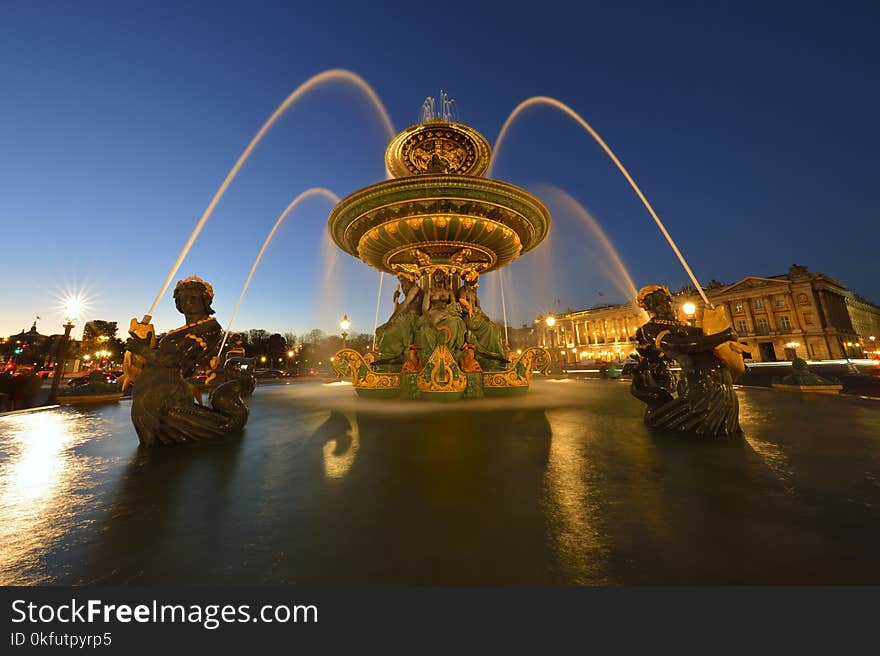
[{"x": 752, "y": 129}]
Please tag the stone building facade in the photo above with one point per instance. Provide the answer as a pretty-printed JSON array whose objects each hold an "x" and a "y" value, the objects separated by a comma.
[
  {"x": 606, "y": 332},
  {"x": 801, "y": 313}
]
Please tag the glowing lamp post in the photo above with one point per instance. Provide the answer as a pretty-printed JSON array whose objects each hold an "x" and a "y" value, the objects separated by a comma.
[
  {"x": 689, "y": 310},
  {"x": 73, "y": 306},
  {"x": 344, "y": 325}
]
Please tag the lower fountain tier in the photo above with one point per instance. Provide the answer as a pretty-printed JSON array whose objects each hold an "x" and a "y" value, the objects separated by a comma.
[
  {"x": 440, "y": 378},
  {"x": 393, "y": 225}
]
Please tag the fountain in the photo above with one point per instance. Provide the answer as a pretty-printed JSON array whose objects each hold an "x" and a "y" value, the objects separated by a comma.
[
  {"x": 564, "y": 485},
  {"x": 437, "y": 225}
]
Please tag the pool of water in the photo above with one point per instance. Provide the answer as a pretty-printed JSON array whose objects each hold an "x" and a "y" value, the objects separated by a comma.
[{"x": 563, "y": 486}]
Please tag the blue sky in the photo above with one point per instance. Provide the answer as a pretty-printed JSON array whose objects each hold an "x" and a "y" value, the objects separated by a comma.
[{"x": 751, "y": 128}]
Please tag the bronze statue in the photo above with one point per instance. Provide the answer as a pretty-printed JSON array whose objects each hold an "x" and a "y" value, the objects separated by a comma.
[
  {"x": 163, "y": 410},
  {"x": 483, "y": 334},
  {"x": 702, "y": 400},
  {"x": 440, "y": 313},
  {"x": 394, "y": 336}
]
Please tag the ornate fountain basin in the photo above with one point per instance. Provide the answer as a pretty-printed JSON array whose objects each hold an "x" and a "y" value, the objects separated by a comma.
[
  {"x": 386, "y": 223},
  {"x": 445, "y": 383}
]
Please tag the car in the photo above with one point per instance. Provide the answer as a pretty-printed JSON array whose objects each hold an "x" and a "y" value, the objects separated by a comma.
[
  {"x": 112, "y": 376},
  {"x": 269, "y": 373},
  {"x": 108, "y": 377},
  {"x": 45, "y": 373}
]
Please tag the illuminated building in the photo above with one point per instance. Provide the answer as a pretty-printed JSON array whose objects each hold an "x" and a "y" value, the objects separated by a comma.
[{"x": 801, "y": 313}]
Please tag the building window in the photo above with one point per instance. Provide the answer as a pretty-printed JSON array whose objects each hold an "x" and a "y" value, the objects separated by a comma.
[
  {"x": 808, "y": 318},
  {"x": 741, "y": 327},
  {"x": 784, "y": 322},
  {"x": 780, "y": 302},
  {"x": 762, "y": 326},
  {"x": 738, "y": 306},
  {"x": 759, "y": 304}
]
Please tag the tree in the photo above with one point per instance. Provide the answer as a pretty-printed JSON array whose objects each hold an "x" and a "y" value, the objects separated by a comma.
[
  {"x": 99, "y": 337},
  {"x": 315, "y": 336},
  {"x": 290, "y": 341}
]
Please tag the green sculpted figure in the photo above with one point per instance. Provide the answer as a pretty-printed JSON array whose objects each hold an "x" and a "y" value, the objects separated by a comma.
[
  {"x": 441, "y": 321},
  {"x": 394, "y": 337},
  {"x": 483, "y": 333}
]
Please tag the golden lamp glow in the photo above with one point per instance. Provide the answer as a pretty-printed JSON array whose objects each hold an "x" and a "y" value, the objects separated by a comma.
[
  {"x": 550, "y": 321},
  {"x": 345, "y": 324},
  {"x": 290, "y": 354},
  {"x": 73, "y": 308},
  {"x": 689, "y": 309}
]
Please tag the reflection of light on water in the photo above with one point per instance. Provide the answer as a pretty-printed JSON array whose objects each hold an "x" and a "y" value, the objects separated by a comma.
[
  {"x": 754, "y": 422},
  {"x": 336, "y": 465},
  {"x": 37, "y": 473},
  {"x": 568, "y": 478}
]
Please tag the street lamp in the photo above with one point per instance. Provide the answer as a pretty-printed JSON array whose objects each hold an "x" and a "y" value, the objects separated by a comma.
[
  {"x": 73, "y": 306},
  {"x": 550, "y": 321},
  {"x": 345, "y": 324},
  {"x": 689, "y": 309}
]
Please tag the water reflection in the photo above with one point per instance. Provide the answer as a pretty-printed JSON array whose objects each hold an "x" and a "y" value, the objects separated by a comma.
[
  {"x": 564, "y": 485},
  {"x": 39, "y": 473},
  {"x": 571, "y": 483},
  {"x": 754, "y": 417},
  {"x": 170, "y": 512},
  {"x": 341, "y": 439}
]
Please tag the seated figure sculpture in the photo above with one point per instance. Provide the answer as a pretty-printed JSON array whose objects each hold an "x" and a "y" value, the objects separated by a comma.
[
  {"x": 441, "y": 315},
  {"x": 162, "y": 409},
  {"x": 395, "y": 336},
  {"x": 482, "y": 331},
  {"x": 702, "y": 400}
]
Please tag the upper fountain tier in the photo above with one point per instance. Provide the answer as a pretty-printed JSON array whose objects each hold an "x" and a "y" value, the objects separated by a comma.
[{"x": 438, "y": 209}]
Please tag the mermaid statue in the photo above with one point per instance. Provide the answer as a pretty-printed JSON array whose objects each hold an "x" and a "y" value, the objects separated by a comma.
[
  {"x": 163, "y": 410},
  {"x": 702, "y": 399}
]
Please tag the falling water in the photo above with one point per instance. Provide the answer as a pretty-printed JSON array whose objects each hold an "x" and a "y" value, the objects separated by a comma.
[
  {"x": 536, "y": 278},
  {"x": 329, "y": 293},
  {"x": 545, "y": 100},
  {"x": 618, "y": 275},
  {"x": 503, "y": 307},
  {"x": 314, "y": 191},
  {"x": 378, "y": 300},
  {"x": 332, "y": 75}
]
